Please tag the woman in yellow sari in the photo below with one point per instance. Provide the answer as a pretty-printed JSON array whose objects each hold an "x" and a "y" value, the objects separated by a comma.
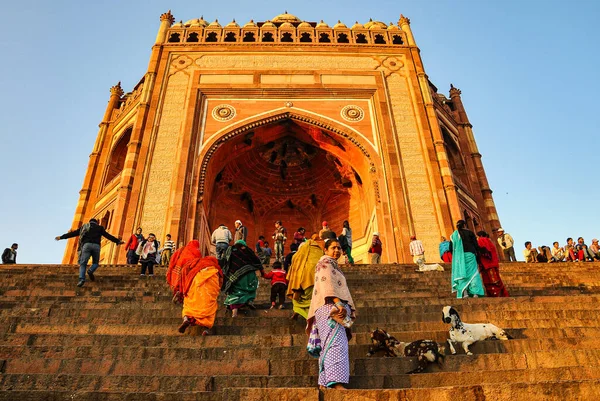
[
  {"x": 200, "y": 283},
  {"x": 301, "y": 276}
]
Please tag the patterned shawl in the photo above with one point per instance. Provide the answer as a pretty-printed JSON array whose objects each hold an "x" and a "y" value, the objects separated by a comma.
[{"x": 330, "y": 282}]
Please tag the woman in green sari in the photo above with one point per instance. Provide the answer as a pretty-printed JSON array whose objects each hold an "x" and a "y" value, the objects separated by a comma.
[
  {"x": 241, "y": 282},
  {"x": 466, "y": 280},
  {"x": 301, "y": 276}
]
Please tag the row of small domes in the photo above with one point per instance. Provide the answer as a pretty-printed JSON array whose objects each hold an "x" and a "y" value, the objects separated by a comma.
[{"x": 200, "y": 22}]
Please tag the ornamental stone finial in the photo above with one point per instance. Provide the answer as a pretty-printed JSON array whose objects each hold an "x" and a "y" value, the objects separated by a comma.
[
  {"x": 454, "y": 91},
  {"x": 403, "y": 20},
  {"x": 117, "y": 90},
  {"x": 167, "y": 17}
]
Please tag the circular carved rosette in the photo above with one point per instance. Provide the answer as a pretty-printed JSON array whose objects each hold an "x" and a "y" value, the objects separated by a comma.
[
  {"x": 223, "y": 112},
  {"x": 352, "y": 113}
]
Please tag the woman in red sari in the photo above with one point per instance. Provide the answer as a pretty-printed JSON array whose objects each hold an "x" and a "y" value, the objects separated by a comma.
[
  {"x": 178, "y": 260},
  {"x": 488, "y": 267}
]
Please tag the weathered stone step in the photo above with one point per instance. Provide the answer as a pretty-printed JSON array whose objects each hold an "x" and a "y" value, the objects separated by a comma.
[
  {"x": 153, "y": 383},
  {"x": 51, "y": 395},
  {"x": 281, "y": 317},
  {"x": 192, "y": 351},
  {"x": 229, "y": 326},
  {"x": 301, "y": 367},
  {"x": 580, "y": 390},
  {"x": 581, "y": 303}
]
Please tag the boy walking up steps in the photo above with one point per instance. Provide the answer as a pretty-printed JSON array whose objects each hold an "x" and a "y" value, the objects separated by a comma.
[{"x": 278, "y": 284}]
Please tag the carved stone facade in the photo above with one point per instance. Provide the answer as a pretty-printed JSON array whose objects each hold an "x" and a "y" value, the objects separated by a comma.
[{"x": 304, "y": 123}]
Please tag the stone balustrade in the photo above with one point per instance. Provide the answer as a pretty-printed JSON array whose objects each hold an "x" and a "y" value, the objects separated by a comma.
[{"x": 282, "y": 33}]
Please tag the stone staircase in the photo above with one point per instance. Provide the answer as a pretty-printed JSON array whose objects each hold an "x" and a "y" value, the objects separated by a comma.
[{"x": 117, "y": 339}]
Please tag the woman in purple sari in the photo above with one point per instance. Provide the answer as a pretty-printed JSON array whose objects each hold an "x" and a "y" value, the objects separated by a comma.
[{"x": 330, "y": 317}]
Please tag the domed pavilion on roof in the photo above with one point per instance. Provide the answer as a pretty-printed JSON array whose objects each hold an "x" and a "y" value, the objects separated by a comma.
[{"x": 285, "y": 120}]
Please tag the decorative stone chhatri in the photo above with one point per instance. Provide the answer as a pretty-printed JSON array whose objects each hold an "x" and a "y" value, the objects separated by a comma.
[{"x": 286, "y": 120}]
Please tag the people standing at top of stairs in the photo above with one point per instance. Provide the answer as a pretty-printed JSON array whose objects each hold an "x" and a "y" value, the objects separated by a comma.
[
  {"x": 594, "y": 249},
  {"x": 530, "y": 253},
  {"x": 147, "y": 251},
  {"x": 557, "y": 252},
  {"x": 507, "y": 244},
  {"x": 347, "y": 244},
  {"x": 544, "y": 254},
  {"x": 375, "y": 249},
  {"x": 446, "y": 250},
  {"x": 9, "y": 256},
  {"x": 489, "y": 267},
  {"x": 417, "y": 250},
  {"x": 221, "y": 238},
  {"x": 583, "y": 251},
  {"x": 167, "y": 251},
  {"x": 89, "y": 235},
  {"x": 325, "y": 230},
  {"x": 131, "y": 246},
  {"x": 300, "y": 236},
  {"x": 466, "y": 280},
  {"x": 279, "y": 236},
  {"x": 241, "y": 232}
]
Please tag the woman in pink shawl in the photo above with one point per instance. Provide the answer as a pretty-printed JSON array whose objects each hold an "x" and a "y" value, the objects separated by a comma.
[{"x": 330, "y": 317}]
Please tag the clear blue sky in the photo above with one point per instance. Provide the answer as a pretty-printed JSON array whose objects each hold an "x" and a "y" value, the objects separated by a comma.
[{"x": 527, "y": 70}]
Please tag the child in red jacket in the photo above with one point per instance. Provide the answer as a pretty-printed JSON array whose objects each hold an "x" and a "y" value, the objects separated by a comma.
[{"x": 278, "y": 284}]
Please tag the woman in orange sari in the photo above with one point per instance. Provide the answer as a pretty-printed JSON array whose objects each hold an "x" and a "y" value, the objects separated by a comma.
[
  {"x": 178, "y": 260},
  {"x": 200, "y": 284}
]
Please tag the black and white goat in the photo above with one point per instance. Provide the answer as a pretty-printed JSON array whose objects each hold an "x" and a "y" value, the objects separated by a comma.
[
  {"x": 426, "y": 351},
  {"x": 468, "y": 334}
]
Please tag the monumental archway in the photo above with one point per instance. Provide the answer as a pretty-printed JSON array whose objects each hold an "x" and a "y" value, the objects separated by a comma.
[
  {"x": 225, "y": 128},
  {"x": 288, "y": 166}
]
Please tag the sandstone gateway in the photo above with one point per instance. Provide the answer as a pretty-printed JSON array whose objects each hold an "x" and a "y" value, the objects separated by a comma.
[{"x": 291, "y": 120}]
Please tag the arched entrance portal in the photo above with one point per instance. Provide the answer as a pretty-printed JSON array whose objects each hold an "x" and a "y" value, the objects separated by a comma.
[{"x": 292, "y": 170}]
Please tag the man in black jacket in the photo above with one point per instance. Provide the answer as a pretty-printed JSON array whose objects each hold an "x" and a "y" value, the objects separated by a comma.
[
  {"x": 89, "y": 235},
  {"x": 9, "y": 256}
]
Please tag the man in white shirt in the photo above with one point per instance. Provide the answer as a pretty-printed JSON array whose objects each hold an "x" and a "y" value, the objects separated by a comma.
[
  {"x": 507, "y": 244},
  {"x": 417, "y": 250}
]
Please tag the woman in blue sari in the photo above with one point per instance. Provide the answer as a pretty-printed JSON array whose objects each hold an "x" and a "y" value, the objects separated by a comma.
[{"x": 466, "y": 280}]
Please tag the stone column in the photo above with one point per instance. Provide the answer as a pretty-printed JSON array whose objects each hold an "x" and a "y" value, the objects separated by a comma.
[
  {"x": 486, "y": 192},
  {"x": 166, "y": 20},
  {"x": 404, "y": 24},
  {"x": 436, "y": 132},
  {"x": 116, "y": 92}
]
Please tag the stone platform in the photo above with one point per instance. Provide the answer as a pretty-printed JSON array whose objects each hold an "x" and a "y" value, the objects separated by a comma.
[{"x": 117, "y": 339}]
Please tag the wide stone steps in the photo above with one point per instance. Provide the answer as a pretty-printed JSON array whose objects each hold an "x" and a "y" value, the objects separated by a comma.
[{"x": 116, "y": 338}]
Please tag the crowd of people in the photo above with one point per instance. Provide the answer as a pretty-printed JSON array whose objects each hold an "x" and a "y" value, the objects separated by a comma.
[
  {"x": 570, "y": 252},
  {"x": 309, "y": 275}
]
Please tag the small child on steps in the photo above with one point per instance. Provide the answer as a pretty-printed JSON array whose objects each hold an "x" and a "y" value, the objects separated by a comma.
[{"x": 278, "y": 283}]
